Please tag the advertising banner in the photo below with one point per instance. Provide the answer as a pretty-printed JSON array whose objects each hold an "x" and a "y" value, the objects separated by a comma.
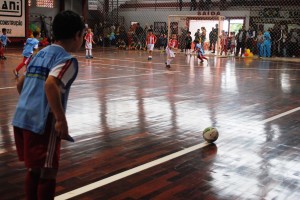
[{"x": 12, "y": 17}]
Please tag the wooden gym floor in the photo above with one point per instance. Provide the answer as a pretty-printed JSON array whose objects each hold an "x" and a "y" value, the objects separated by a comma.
[{"x": 138, "y": 129}]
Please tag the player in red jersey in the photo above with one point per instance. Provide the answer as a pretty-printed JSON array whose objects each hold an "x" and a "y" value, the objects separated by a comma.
[
  {"x": 89, "y": 41},
  {"x": 172, "y": 45},
  {"x": 150, "y": 42}
]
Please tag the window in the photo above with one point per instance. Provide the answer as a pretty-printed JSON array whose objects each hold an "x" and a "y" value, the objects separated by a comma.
[
  {"x": 45, "y": 3},
  {"x": 41, "y": 3}
]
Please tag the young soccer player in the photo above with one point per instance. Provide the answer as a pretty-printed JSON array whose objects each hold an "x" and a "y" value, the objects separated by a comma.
[
  {"x": 3, "y": 42},
  {"x": 30, "y": 45},
  {"x": 223, "y": 42},
  {"x": 172, "y": 45},
  {"x": 89, "y": 41},
  {"x": 40, "y": 121},
  {"x": 200, "y": 52},
  {"x": 150, "y": 42}
]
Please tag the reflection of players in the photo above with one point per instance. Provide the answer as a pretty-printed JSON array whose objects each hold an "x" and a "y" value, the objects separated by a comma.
[
  {"x": 173, "y": 44},
  {"x": 209, "y": 152}
]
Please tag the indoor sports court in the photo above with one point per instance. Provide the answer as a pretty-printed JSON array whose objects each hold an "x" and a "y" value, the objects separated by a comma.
[
  {"x": 138, "y": 127},
  {"x": 128, "y": 114}
]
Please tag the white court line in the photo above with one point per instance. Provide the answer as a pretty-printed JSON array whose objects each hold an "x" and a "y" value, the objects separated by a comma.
[
  {"x": 5, "y": 88},
  {"x": 280, "y": 115},
  {"x": 124, "y": 174},
  {"x": 260, "y": 69},
  {"x": 148, "y": 165}
]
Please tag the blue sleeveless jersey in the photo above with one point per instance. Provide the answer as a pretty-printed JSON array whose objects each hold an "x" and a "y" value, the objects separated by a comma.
[
  {"x": 199, "y": 46},
  {"x": 33, "y": 108},
  {"x": 3, "y": 39},
  {"x": 29, "y": 47}
]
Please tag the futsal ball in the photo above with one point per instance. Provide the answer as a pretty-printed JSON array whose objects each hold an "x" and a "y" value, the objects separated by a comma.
[{"x": 210, "y": 134}]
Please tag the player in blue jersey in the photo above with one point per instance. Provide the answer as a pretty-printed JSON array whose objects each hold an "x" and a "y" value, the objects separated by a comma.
[
  {"x": 3, "y": 42},
  {"x": 40, "y": 121},
  {"x": 30, "y": 45}
]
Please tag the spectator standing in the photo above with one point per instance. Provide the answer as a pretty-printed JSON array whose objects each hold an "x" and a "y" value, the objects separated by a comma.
[
  {"x": 241, "y": 42},
  {"x": 215, "y": 37}
]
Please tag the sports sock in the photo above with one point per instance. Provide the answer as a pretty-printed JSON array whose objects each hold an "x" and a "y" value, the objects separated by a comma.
[
  {"x": 31, "y": 185},
  {"x": 46, "y": 189},
  {"x": 90, "y": 52},
  {"x": 87, "y": 52},
  {"x": 169, "y": 61},
  {"x": 21, "y": 64}
]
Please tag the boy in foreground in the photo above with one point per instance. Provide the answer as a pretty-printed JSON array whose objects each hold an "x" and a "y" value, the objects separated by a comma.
[{"x": 39, "y": 121}]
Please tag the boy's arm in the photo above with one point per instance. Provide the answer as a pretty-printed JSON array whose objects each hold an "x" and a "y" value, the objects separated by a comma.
[{"x": 52, "y": 90}]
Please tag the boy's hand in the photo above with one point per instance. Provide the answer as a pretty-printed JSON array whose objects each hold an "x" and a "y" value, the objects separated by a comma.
[{"x": 61, "y": 128}]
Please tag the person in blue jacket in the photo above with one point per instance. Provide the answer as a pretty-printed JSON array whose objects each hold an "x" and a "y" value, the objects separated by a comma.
[{"x": 267, "y": 44}]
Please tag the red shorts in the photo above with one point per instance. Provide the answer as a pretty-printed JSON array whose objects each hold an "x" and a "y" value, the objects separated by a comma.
[{"x": 38, "y": 151}]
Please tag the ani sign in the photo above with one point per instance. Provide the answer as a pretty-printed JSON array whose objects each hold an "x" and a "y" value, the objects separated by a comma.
[{"x": 12, "y": 17}]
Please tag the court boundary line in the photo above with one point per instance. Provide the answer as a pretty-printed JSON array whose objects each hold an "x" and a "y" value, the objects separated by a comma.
[{"x": 150, "y": 164}]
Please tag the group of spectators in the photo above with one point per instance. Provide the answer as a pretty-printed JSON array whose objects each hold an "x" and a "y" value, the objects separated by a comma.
[
  {"x": 134, "y": 38},
  {"x": 282, "y": 42}
]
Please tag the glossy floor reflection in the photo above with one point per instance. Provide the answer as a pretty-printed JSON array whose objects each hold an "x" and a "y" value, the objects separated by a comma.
[{"x": 125, "y": 111}]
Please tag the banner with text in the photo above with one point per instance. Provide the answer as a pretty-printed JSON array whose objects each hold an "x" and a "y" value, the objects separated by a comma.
[{"x": 12, "y": 17}]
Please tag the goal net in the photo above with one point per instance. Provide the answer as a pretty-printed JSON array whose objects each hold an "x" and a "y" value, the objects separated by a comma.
[{"x": 181, "y": 24}]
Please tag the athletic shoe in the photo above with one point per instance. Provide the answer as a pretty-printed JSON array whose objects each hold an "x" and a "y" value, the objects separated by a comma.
[
  {"x": 168, "y": 66},
  {"x": 91, "y": 57},
  {"x": 87, "y": 57}
]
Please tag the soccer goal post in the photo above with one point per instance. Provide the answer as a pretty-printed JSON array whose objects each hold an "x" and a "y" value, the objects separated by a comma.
[{"x": 180, "y": 24}]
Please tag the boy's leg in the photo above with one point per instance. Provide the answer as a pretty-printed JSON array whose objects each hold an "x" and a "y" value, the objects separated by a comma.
[
  {"x": 19, "y": 67},
  {"x": 86, "y": 53},
  {"x": 1, "y": 51},
  {"x": 31, "y": 184},
  {"x": 90, "y": 53},
  {"x": 200, "y": 58},
  {"x": 47, "y": 184}
]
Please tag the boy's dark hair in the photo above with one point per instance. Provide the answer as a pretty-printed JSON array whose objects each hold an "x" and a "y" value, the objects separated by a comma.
[
  {"x": 3, "y": 29},
  {"x": 66, "y": 24},
  {"x": 35, "y": 33}
]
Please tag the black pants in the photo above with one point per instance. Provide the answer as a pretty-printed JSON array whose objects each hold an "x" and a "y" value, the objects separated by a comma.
[{"x": 240, "y": 45}]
